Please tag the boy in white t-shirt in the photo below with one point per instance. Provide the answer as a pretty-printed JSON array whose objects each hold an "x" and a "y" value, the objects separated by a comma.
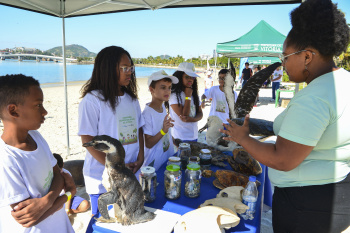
[
  {"x": 219, "y": 106},
  {"x": 276, "y": 79},
  {"x": 76, "y": 204},
  {"x": 30, "y": 180},
  {"x": 158, "y": 139}
]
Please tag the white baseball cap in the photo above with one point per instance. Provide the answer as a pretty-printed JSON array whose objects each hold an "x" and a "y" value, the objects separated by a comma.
[
  {"x": 188, "y": 68},
  {"x": 160, "y": 75}
]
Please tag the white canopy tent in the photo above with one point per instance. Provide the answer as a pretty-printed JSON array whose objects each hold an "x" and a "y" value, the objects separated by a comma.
[{"x": 73, "y": 8}]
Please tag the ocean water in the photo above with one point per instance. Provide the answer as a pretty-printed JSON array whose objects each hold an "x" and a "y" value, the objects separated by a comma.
[{"x": 52, "y": 72}]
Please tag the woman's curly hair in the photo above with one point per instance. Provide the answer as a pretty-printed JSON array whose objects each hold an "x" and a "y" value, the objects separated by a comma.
[
  {"x": 177, "y": 89},
  {"x": 105, "y": 76},
  {"x": 320, "y": 25}
]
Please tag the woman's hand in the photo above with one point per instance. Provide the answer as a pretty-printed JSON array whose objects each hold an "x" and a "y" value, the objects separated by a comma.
[
  {"x": 188, "y": 91},
  {"x": 235, "y": 132}
]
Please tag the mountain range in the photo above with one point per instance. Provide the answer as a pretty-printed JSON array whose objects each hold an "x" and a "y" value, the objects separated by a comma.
[{"x": 73, "y": 50}]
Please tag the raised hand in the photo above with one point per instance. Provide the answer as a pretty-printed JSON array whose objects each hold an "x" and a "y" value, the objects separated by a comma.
[
  {"x": 167, "y": 123},
  {"x": 235, "y": 132}
]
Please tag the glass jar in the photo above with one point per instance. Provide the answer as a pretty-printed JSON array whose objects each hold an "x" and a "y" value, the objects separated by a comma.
[
  {"x": 172, "y": 181},
  {"x": 174, "y": 160},
  {"x": 194, "y": 159},
  {"x": 184, "y": 153},
  {"x": 193, "y": 180},
  {"x": 205, "y": 159},
  {"x": 148, "y": 181}
]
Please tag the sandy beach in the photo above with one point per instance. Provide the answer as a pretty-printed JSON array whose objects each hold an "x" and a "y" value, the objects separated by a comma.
[{"x": 54, "y": 129}]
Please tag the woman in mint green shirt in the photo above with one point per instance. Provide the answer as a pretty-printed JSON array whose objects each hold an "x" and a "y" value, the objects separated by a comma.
[{"x": 310, "y": 161}]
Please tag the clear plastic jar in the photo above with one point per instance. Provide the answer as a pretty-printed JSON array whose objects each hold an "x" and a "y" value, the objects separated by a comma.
[
  {"x": 205, "y": 159},
  {"x": 193, "y": 180},
  {"x": 174, "y": 160},
  {"x": 184, "y": 153},
  {"x": 148, "y": 181},
  {"x": 172, "y": 181}
]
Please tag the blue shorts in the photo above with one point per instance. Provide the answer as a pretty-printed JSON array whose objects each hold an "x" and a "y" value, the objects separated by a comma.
[
  {"x": 94, "y": 203},
  {"x": 76, "y": 200}
]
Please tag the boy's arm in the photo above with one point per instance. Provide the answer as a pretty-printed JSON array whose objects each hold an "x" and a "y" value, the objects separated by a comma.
[{"x": 29, "y": 211}]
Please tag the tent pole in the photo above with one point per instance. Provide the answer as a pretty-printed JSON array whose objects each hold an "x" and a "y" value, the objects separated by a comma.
[
  {"x": 228, "y": 63},
  {"x": 65, "y": 81},
  {"x": 216, "y": 57}
]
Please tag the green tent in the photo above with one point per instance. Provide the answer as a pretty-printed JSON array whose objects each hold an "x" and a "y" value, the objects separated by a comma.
[
  {"x": 262, "y": 41},
  {"x": 263, "y": 60}
]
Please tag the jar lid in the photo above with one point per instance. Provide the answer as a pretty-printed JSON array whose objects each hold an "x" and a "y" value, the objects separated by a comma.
[
  {"x": 148, "y": 170},
  {"x": 173, "y": 167},
  {"x": 184, "y": 144},
  {"x": 193, "y": 167},
  {"x": 174, "y": 159},
  {"x": 205, "y": 151},
  {"x": 252, "y": 178}
]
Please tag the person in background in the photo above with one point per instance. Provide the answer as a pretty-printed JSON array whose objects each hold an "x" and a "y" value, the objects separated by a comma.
[
  {"x": 309, "y": 162},
  {"x": 219, "y": 106},
  {"x": 158, "y": 140},
  {"x": 246, "y": 74},
  {"x": 208, "y": 82},
  {"x": 256, "y": 70},
  {"x": 30, "y": 179},
  {"x": 184, "y": 104},
  {"x": 110, "y": 107},
  {"x": 76, "y": 204},
  {"x": 276, "y": 79}
]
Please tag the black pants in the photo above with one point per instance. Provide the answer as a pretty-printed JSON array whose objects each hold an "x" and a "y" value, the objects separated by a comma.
[{"x": 316, "y": 208}]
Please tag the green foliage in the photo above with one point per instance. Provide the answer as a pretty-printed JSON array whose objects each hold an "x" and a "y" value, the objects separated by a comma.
[
  {"x": 285, "y": 77},
  {"x": 71, "y": 51},
  {"x": 344, "y": 59},
  {"x": 175, "y": 61}
]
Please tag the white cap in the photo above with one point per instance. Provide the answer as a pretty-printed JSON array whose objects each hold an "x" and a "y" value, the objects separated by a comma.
[
  {"x": 160, "y": 75},
  {"x": 208, "y": 72},
  {"x": 188, "y": 68}
]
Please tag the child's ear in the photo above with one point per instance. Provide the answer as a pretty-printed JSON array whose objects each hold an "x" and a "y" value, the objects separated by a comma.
[
  {"x": 150, "y": 89},
  {"x": 12, "y": 110}
]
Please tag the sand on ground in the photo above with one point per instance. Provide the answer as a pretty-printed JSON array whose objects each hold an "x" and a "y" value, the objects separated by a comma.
[{"x": 54, "y": 129}]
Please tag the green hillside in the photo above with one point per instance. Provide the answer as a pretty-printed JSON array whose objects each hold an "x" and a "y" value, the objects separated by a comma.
[{"x": 73, "y": 50}]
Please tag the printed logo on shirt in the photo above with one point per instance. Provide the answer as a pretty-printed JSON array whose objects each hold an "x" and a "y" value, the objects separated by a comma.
[
  {"x": 166, "y": 142},
  {"x": 193, "y": 111},
  {"x": 48, "y": 181},
  {"x": 127, "y": 127},
  {"x": 220, "y": 106}
]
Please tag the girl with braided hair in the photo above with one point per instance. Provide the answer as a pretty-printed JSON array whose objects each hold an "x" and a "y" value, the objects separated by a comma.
[{"x": 184, "y": 103}]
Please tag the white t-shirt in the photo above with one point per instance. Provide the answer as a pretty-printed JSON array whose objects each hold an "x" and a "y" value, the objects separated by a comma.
[
  {"x": 164, "y": 148},
  {"x": 219, "y": 106},
  {"x": 277, "y": 73},
  {"x": 96, "y": 117},
  {"x": 208, "y": 82},
  {"x": 183, "y": 130},
  {"x": 28, "y": 174}
]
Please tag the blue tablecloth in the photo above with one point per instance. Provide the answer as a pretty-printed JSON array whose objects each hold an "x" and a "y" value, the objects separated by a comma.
[{"x": 208, "y": 191}]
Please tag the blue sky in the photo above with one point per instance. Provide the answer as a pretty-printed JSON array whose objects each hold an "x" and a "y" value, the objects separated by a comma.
[{"x": 188, "y": 32}]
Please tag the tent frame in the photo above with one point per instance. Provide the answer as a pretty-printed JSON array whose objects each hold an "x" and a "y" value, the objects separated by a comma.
[{"x": 136, "y": 7}]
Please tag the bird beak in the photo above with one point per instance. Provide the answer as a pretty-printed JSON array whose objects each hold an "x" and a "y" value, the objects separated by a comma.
[
  {"x": 87, "y": 144},
  {"x": 204, "y": 127}
]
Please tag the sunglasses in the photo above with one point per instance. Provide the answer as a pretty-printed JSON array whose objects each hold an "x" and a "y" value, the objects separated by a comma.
[
  {"x": 127, "y": 68},
  {"x": 189, "y": 77},
  {"x": 283, "y": 57}
]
